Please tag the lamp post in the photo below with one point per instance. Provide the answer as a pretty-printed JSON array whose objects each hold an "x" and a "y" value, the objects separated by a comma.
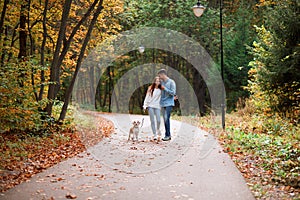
[
  {"x": 198, "y": 10},
  {"x": 141, "y": 49}
]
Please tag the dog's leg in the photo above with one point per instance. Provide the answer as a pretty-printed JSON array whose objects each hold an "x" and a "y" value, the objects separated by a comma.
[{"x": 129, "y": 137}]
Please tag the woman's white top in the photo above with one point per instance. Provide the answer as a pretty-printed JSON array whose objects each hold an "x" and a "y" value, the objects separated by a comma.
[{"x": 154, "y": 100}]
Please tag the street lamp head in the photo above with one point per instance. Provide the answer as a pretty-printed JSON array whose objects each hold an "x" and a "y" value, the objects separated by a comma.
[
  {"x": 141, "y": 49},
  {"x": 198, "y": 9}
]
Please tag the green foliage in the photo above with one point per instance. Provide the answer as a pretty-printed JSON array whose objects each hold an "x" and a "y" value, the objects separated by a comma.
[
  {"x": 275, "y": 72},
  {"x": 18, "y": 108},
  {"x": 279, "y": 152},
  {"x": 178, "y": 16},
  {"x": 236, "y": 57},
  {"x": 271, "y": 138}
]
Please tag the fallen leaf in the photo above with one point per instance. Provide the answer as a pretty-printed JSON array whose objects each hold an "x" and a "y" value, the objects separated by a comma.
[{"x": 71, "y": 196}]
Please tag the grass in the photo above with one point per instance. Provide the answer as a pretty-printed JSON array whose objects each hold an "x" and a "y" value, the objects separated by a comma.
[
  {"x": 91, "y": 127},
  {"x": 84, "y": 120}
]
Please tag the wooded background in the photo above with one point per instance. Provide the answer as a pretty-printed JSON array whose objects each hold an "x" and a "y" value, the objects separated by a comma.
[{"x": 43, "y": 44}]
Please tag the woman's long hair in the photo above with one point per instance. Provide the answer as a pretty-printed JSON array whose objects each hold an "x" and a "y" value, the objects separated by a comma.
[{"x": 152, "y": 87}]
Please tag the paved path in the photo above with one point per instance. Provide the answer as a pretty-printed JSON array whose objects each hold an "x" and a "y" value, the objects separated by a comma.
[{"x": 190, "y": 166}]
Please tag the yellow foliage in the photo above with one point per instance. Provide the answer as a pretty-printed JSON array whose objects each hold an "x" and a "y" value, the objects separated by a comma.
[
  {"x": 265, "y": 3},
  {"x": 21, "y": 79}
]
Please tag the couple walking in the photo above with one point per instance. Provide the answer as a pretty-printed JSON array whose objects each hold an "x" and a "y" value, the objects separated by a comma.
[{"x": 160, "y": 97}]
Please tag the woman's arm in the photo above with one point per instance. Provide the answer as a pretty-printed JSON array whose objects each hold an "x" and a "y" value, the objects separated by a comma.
[{"x": 147, "y": 98}]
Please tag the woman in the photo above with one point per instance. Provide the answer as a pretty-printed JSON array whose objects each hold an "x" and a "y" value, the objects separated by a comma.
[{"x": 152, "y": 103}]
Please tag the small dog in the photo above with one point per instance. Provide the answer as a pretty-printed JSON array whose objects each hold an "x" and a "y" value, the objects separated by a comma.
[{"x": 135, "y": 130}]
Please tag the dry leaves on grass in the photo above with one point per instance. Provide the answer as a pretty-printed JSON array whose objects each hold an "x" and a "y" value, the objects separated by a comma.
[
  {"x": 23, "y": 156},
  {"x": 260, "y": 180},
  {"x": 96, "y": 128}
]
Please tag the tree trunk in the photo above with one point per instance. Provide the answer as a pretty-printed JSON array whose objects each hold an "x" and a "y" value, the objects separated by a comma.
[
  {"x": 22, "y": 39},
  {"x": 92, "y": 82},
  {"x": 22, "y": 31},
  {"x": 76, "y": 28},
  {"x": 3, "y": 48},
  {"x": 3, "y": 16},
  {"x": 13, "y": 40},
  {"x": 79, "y": 61},
  {"x": 98, "y": 91},
  {"x": 109, "y": 89},
  {"x": 105, "y": 94},
  {"x": 55, "y": 67},
  {"x": 200, "y": 90},
  {"x": 40, "y": 97},
  {"x": 3, "y": 51},
  {"x": 32, "y": 48}
]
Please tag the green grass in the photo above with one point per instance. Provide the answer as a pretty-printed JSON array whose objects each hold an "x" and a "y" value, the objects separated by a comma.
[{"x": 84, "y": 120}]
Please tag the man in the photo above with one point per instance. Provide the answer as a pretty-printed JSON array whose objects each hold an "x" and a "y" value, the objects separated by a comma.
[{"x": 168, "y": 91}]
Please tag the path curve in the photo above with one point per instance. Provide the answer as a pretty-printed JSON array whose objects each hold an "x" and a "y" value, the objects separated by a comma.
[{"x": 190, "y": 166}]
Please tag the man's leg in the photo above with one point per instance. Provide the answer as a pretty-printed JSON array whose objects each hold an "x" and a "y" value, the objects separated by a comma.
[
  {"x": 163, "y": 110},
  {"x": 167, "y": 114}
]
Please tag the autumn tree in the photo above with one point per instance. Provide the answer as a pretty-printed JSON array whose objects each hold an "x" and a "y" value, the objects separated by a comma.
[
  {"x": 39, "y": 53},
  {"x": 275, "y": 72},
  {"x": 79, "y": 60}
]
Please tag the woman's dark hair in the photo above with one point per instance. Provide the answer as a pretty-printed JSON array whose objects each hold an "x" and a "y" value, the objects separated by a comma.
[{"x": 152, "y": 87}]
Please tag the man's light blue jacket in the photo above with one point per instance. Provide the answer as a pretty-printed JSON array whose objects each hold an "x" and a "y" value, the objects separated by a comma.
[{"x": 167, "y": 95}]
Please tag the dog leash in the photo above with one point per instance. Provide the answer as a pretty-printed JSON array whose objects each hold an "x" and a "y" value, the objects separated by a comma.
[{"x": 142, "y": 122}]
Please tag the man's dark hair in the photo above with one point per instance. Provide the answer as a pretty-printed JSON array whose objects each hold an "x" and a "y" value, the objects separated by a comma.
[{"x": 162, "y": 71}]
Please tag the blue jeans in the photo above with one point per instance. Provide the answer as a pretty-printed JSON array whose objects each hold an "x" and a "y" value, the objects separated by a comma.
[
  {"x": 166, "y": 112},
  {"x": 154, "y": 113}
]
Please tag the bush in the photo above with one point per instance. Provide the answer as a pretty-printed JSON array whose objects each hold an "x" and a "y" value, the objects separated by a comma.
[{"x": 18, "y": 108}]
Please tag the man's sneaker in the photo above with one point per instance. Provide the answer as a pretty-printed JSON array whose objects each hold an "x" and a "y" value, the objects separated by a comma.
[
  {"x": 166, "y": 138},
  {"x": 155, "y": 138}
]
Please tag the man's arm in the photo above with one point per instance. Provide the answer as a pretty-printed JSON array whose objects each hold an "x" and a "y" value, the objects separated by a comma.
[{"x": 172, "y": 89}]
